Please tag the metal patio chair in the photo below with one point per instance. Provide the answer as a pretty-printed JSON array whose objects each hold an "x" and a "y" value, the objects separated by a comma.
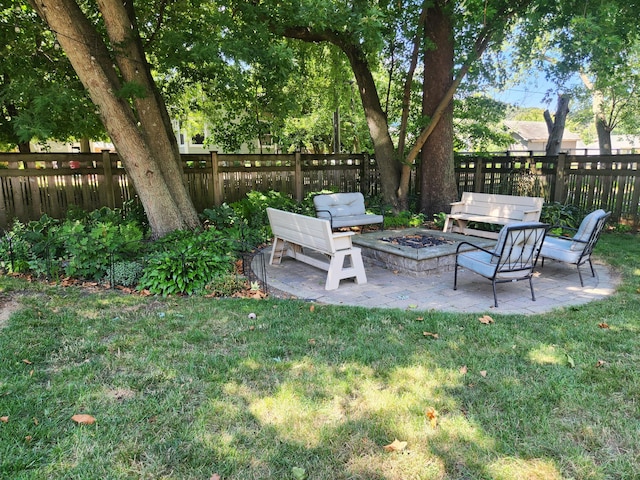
[
  {"x": 576, "y": 250},
  {"x": 513, "y": 258}
]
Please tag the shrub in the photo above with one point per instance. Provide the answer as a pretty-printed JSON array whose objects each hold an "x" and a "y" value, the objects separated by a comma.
[
  {"x": 125, "y": 273},
  {"x": 404, "y": 219},
  {"x": 560, "y": 214},
  {"x": 186, "y": 262}
]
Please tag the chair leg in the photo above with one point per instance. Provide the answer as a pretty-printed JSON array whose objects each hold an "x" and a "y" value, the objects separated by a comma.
[
  {"x": 593, "y": 273},
  {"x": 495, "y": 296},
  {"x": 533, "y": 296},
  {"x": 580, "y": 275},
  {"x": 455, "y": 277}
]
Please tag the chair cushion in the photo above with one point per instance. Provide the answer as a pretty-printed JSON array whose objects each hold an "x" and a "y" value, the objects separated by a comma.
[
  {"x": 340, "y": 204},
  {"x": 502, "y": 238},
  {"x": 560, "y": 249},
  {"x": 586, "y": 228},
  {"x": 481, "y": 263}
]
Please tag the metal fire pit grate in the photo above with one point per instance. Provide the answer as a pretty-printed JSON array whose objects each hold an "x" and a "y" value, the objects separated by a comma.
[{"x": 418, "y": 241}]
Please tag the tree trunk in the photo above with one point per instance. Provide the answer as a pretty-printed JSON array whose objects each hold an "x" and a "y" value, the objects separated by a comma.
[
  {"x": 384, "y": 149},
  {"x": 132, "y": 137},
  {"x": 556, "y": 127},
  {"x": 437, "y": 174},
  {"x": 604, "y": 136}
]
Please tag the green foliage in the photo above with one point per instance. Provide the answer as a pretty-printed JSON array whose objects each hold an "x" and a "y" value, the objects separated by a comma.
[
  {"x": 403, "y": 219},
  {"x": 560, "y": 214},
  {"x": 226, "y": 285},
  {"x": 125, "y": 273},
  {"x": 439, "y": 219},
  {"x": 186, "y": 262}
]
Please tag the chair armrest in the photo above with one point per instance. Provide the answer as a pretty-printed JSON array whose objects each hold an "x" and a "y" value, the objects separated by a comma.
[
  {"x": 342, "y": 234},
  {"x": 457, "y": 203},
  {"x": 532, "y": 211},
  {"x": 477, "y": 247}
]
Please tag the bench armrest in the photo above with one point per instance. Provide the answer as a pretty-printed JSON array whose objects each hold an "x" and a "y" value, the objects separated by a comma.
[
  {"x": 342, "y": 234},
  {"x": 457, "y": 203},
  {"x": 531, "y": 211}
]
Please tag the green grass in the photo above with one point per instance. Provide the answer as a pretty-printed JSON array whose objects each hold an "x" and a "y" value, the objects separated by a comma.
[{"x": 185, "y": 388}]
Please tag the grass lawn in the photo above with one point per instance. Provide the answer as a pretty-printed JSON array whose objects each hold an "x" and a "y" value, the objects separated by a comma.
[{"x": 195, "y": 388}]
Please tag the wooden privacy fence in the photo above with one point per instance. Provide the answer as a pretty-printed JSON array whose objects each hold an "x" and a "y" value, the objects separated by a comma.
[{"x": 34, "y": 184}]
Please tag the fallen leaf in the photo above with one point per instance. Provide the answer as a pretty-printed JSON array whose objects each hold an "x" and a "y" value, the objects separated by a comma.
[
  {"x": 600, "y": 363},
  {"x": 252, "y": 327},
  {"x": 312, "y": 308},
  {"x": 603, "y": 325},
  {"x": 83, "y": 419},
  {"x": 396, "y": 446},
  {"x": 299, "y": 473},
  {"x": 429, "y": 334},
  {"x": 419, "y": 319},
  {"x": 35, "y": 421},
  {"x": 312, "y": 341},
  {"x": 486, "y": 319},
  {"x": 463, "y": 370},
  {"x": 4, "y": 419},
  {"x": 483, "y": 373},
  {"x": 215, "y": 476},
  {"x": 432, "y": 415},
  {"x": 28, "y": 362},
  {"x": 570, "y": 361},
  {"x": 28, "y": 438}
]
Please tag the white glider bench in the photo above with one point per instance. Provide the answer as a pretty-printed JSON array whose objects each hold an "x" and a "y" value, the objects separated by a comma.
[
  {"x": 344, "y": 209},
  {"x": 493, "y": 209},
  {"x": 294, "y": 235}
]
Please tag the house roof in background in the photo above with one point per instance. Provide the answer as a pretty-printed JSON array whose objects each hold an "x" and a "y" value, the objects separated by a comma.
[
  {"x": 536, "y": 131},
  {"x": 621, "y": 142}
]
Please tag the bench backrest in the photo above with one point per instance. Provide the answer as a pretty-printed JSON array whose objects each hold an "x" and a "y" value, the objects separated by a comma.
[
  {"x": 339, "y": 204},
  {"x": 502, "y": 206},
  {"x": 302, "y": 230}
]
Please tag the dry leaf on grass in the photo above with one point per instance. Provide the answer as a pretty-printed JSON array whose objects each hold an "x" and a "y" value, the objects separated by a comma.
[
  {"x": 83, "y": 419},
  {"x": 483, "y": 373},
  {"x": 215, "y": 476},
  {"x": 312, "y": 308},
  {"x": 603, "y": 325},
  {"x": 600, "y": 363},
  {"x": 28, "y": 362},
  {"x": 463, "y": 370},
  {"x": 432, "y": 414},
  {"x": 396, "y": 446},
  {"x": 4, "y": 419},
  {"x": 429, "y": 334},
  {"x": 486, "y": 319}
]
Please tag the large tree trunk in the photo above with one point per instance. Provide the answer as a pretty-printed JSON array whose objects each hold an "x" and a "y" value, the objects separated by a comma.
[
  {"x": 134, "y": 137},
  {"x": 437, "y": 174},
  {"x": 556, "y": 127},
  {"x": 384, "y": 149}
]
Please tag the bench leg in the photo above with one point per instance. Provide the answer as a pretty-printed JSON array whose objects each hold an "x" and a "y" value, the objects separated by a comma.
[
  {"x": 338, "y": 271},
  {"x": 278, "y": 251}
]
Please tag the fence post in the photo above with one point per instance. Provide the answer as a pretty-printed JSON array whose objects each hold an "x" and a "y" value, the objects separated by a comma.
[
  {"x": 365, "y": 180},
  {"x": 298, "y": 181},
  {"x": 559, "y": 185},
  {"x": 108, "y": 179},
  {"x": 217, "y": 182},
  {"x": 478, "y": 176}
]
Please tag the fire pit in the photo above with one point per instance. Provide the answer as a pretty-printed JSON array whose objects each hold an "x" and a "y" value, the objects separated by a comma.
[
  {"x": 413, "y": 251},
  {"x": 418, "y": 241}
]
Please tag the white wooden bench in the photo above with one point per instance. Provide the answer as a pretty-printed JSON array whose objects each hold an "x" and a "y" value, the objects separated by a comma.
[
  {"x": 294, "y": 235},
  {"x": 344, "y": 209},
  {"x": 493, "y": 209}
]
